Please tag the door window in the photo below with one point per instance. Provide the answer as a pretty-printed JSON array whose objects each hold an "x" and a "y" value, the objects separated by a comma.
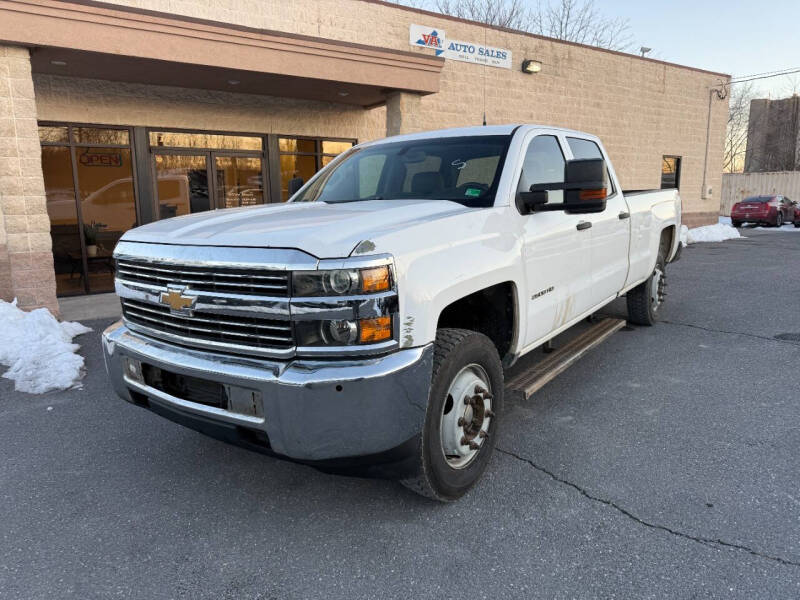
[
  {"x": 239, "y": 181},
  {"x": 544, "y": 163},
  {"x": 582, "y": 149}
]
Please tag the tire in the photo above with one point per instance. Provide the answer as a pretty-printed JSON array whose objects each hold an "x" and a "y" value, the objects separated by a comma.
[
  {"x": 736, "y": 224},
  {"x": 643, "y": 308},
  {"x": 458, "y": 355},
  {"x": 797, "y": 223},
  {"x": 778, "y": 220}
]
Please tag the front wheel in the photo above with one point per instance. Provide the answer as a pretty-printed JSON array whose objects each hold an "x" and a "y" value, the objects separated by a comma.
[
  {"x": 779, "y": 220},
  {"x": 736, "y": 224},
  {"x": 461, "y": 421},
  {"x": 645, "y": 300}
]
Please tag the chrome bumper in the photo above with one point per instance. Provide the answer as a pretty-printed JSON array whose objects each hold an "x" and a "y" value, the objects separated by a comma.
[{"x": 313, "y": 410}]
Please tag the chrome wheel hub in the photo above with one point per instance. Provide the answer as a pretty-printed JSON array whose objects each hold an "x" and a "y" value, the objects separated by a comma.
[
  {"x": 657, "y": 285},
  {"x": 466, "y": 416}
]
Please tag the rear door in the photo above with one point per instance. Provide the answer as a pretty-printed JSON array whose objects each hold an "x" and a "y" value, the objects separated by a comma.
[
  {"x": 554, "y": 251},
  {"x": 610, "y": 231}
]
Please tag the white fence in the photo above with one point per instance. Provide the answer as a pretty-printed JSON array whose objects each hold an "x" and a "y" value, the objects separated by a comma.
[{"x": 737, "y": 186}]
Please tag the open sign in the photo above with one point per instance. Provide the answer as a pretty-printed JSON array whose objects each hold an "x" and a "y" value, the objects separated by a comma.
[{"x": 101, "y": 159}]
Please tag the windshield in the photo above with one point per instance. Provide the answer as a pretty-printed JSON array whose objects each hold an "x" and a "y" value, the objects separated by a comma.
[
  {"x": 758, "y": 199},
  {"x": 462, "y": 169}
]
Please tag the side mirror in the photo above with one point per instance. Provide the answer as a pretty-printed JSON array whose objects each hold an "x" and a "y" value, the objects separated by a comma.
[{"x": 585, "y": 189}]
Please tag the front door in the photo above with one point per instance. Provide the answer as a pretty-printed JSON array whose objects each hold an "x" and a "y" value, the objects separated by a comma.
[{"x": 555, "y": 251}]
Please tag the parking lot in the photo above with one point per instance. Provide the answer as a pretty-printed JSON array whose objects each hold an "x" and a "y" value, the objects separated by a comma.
[{"x": 664, "y": 464}]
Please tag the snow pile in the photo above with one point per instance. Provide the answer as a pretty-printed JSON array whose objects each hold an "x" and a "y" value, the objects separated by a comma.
[
  {"x": 709, "y": 233},
  {"x": 39, "y": 350}
]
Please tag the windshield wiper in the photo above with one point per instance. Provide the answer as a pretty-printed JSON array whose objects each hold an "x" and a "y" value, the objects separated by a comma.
[{"x": 376, "y": 197}]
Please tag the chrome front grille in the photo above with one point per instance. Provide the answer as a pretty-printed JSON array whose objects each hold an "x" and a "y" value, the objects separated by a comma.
[
  {"x": 250, "y": 282},
  {"x": 237, "y": 334}
]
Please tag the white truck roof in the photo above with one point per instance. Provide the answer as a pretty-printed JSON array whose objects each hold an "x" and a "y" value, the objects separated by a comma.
[{"x": 476, "y": 130}]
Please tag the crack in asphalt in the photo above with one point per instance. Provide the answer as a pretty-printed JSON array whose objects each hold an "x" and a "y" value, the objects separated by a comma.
[
  {"x": 714, "y": 543},
  {"x": 751, "y": 335}
]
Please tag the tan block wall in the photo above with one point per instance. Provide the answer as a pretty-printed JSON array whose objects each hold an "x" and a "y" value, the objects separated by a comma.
[
  {"x": 641, "y": 109},
  {"x": 26, "y": 260}
]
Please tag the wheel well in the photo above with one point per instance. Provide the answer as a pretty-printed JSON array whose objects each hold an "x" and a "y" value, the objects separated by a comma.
[
  {"x": 667, "y": 237},
  {"x": 490, "y": 311}
]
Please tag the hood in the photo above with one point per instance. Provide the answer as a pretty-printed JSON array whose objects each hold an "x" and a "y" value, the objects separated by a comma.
[{"x": 324, "y": 230}]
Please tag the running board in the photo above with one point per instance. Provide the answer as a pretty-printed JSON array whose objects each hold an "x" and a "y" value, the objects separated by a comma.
[{"x": 528, "y": 382}]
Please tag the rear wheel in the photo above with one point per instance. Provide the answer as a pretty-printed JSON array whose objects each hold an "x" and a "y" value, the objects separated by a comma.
[
  {"x": 645, "y": 300},
  {"x": 778, "y": 220},
  {"x": 736, "y": 224},
  {"x": 464, "y": 408}
]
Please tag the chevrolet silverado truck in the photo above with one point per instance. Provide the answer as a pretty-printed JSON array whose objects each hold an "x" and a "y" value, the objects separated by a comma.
[{"x": 364, "y": 326}]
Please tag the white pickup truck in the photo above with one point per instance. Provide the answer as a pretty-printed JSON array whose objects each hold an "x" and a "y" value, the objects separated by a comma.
[{"x": 364, "y": 326}]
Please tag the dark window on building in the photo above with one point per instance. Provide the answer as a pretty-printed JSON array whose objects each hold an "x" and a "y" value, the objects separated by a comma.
[
  {"x": 670, "y": 172},
  {"x": 301, "y": 158}
]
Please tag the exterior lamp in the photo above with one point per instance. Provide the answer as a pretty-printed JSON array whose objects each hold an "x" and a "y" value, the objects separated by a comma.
[{"x": 531, "y": 66}]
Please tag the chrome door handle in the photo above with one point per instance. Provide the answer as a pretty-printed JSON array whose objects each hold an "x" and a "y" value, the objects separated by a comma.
[
  {"x": 583, "y": 225},
  {"x": 624, "y": 215}
]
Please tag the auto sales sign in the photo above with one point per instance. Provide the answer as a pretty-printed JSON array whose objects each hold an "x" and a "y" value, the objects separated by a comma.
[{"x": 435, "y": 39}]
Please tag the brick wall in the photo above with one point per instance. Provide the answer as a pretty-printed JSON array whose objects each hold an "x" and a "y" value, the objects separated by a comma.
[{"x": 26, "y": 260}]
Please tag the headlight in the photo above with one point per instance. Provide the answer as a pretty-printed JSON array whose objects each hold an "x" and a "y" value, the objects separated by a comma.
[
  {"x": 343, "y": 332},
  {"x": 341, "y": 282}
]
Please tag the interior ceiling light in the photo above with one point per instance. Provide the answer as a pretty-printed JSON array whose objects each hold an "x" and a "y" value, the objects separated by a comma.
[
  {"x": 343, "y": 94},
  {"x": 531, "y": 66},
  {"x": 59, "y": 63},
  {"x": 234, "y": 81}
]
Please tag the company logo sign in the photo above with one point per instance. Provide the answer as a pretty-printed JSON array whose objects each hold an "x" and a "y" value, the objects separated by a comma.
[
  {"x": 429, "y": 37},
  {"x": 176, "y": 301}
]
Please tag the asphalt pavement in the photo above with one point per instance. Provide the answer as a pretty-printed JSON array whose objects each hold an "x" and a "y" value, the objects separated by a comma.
[{"x": 663, "y": 465}]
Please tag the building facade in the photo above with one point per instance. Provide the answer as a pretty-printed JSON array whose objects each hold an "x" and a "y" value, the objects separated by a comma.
[
  {"x": 116, "y": 114},
  {"x": 773, "y": 135}
]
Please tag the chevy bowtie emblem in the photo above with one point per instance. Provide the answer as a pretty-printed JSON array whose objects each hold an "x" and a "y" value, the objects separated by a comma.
[{"x": 176, "y": 301}]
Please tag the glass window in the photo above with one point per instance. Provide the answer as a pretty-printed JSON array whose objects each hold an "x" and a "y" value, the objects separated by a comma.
[
  {"x": 544, "y": 163},
  {"x": 296, "y": 169},
  {"x": 181, "y": 184},
  {"x": 239, "y": 181},
  {"x": 301, "y": 158},
  {"x": 297, "y": 145},
  {"x": 49, "y": 135},
  {"x": 416, "y": 169},
  {"x": 582, "y": 149},
  {"x": 108, "y": 208},
  {"x": 670, "y": 172},
  {"x": 331, "y": 147},
  {"x": 96, "y": 135},
  {"x": 63, "y": 211},
  {"x": 177, "y": 139}
]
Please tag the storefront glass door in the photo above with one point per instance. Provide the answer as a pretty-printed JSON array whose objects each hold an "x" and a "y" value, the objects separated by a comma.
[
  {"x": 239, "y": 181},
  {"x": 182, "y": 184},
  {"x": 91, "y": 202}
]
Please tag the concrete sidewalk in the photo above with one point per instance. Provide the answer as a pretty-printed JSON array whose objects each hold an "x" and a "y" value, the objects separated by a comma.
[{"x": 93, "y": 306}]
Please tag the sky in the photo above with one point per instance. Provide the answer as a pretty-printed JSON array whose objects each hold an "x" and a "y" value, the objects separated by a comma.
[{"x": 730, "y": 36}]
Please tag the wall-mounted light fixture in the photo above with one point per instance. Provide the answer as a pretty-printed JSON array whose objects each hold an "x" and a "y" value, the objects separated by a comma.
[{"x": 531, "y": 66}]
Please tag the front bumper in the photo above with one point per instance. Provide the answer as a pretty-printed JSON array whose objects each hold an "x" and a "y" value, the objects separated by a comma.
[{"x": 313, "y": 410}]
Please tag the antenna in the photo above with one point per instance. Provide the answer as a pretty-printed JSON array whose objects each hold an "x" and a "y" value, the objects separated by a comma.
[{"x": 484, "y": 118}]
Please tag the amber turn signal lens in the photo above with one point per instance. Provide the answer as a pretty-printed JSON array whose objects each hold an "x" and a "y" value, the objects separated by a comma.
[
  {"x": 593, "y": 194},
  {"x": 375, "y": 280},
  {"x": 375, "y": 330}
]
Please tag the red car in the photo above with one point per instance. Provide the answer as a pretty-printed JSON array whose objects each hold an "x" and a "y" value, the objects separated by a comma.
[{"x": 764, "y": 210}]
